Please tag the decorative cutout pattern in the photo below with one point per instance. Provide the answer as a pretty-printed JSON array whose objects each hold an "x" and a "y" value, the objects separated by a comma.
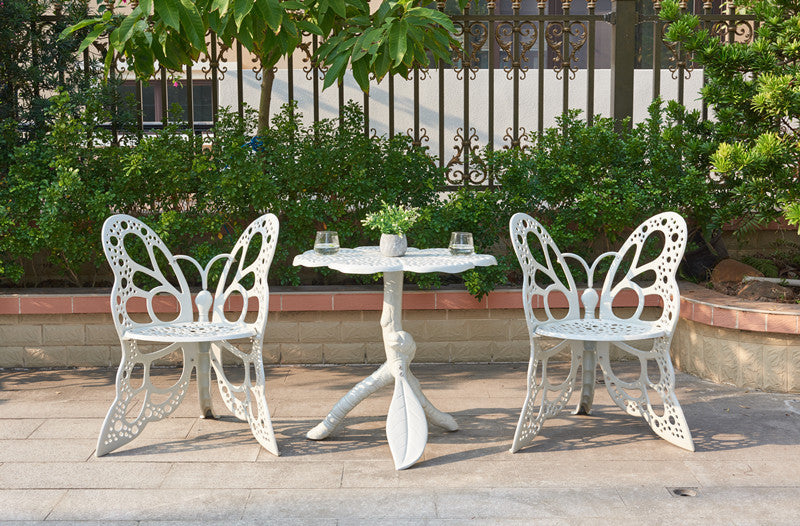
[
  {"x": 598, "y": 334},
  {"x": 195, "y": 331},
  {"x": 200, "y": 341}
]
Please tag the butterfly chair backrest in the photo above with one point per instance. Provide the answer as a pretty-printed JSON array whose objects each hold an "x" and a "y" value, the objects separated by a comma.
[
  {"x": 629, "y": 267},
  {"x": 245, "y": 273},
  {"x": 141, "y": 275},
  {"x": 541, "y": 279},
  {"x": 670, "y": 233},
  {"x": 153, "y": 271}
]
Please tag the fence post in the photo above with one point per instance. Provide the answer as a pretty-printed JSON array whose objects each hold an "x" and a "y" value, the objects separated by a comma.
[{"x": 623, "y": 34}]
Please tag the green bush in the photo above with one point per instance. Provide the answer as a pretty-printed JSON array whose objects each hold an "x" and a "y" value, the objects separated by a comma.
[
  {"x": 468, "y": 210},
  {"x": 329, "y": 177},
  {"x": 198, "y": 197},
  {"x": 591, "y": 184},
  {"x": 752, "y": 89}
]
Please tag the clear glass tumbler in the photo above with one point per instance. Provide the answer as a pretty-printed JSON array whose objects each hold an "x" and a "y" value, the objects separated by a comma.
[
  {"x": 326, "y": 243},
  {"x": 461, "y": 244}
]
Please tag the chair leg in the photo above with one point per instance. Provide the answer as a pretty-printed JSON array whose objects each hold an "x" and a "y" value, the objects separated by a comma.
[
  {"x": 671, "y": 424},
  {"x": 204, "y": 380},
  {"x": 117, "y": 428},
  {"x": 588, "y": 372},
  {"x": 530, "y": 421},
  {"x": 253, "y": 408}
]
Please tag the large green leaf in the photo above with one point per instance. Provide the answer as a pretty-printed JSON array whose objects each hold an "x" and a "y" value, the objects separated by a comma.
[
  {"x": 168, "y": 11},
  {"x": 339, "y": 7},
  {"x": 361, "y": 73},
  {"x": 123, "y": 33},
  {"x": 272, "y": 12},
  {"x": 80, "y": 25},
  {"x": 241, "y": 8},
  {"x": 336, "y": 70},
  {"x": 193, "y": 25},
  {"x": 397, "y": 42},
  {"x": 381, "y": 62},
  {"x": 309, "y": 27},
  {"x": 221, "y": 6},
  {"x": 91, "y": 37}
]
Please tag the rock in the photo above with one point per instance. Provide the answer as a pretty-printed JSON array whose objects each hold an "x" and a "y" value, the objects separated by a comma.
[
  {"x": 765, "y": 291},
  {"x": 731, "y": 270}
]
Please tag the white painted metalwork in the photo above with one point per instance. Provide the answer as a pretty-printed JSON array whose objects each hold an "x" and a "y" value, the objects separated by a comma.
[
  {"x": 410, "y": 411},
  {"x": 202, "y": 341},
  {"x": 630, "y": 269}
]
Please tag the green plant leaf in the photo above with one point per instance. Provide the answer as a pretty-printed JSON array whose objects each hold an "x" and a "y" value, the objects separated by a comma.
[
  {"x": 397, "y": 42},
  {"x": 193, "y": 24},
  {"x": 337, "y": 69},
  {"x": 80, "y": 25},
  {"x": 242, "y": 8},
  {"x": 220, "y": 5},
  {"x": 272, "y": 12},
  {"x": 168, "y": 11},
  {"x": 91, "y": 37}
]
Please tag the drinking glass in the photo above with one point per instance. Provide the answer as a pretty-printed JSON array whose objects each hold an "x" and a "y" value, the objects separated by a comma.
[
  {"x": 326, "y": 243},
  {"x": 461, "y": 244}
]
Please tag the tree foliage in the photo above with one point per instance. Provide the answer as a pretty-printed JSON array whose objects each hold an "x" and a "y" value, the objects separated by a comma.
[
  {"x": 754, "y": 91},
  {"x": 172, "y": 32}
]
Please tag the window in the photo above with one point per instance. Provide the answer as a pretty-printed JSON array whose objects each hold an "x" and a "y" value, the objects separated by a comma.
[{"x": 153, "y": 105}]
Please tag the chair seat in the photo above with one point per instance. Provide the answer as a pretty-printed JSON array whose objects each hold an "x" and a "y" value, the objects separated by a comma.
[
  {"x": 600, "y": 330},
  {"x": 192, "y": 331}
]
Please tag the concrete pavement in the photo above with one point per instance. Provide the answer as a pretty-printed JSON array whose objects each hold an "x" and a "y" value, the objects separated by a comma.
[{"x": 607, "y": 468}]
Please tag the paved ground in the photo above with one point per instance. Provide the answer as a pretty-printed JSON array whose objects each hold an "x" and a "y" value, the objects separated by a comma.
[{"x": 607, "y": 468}]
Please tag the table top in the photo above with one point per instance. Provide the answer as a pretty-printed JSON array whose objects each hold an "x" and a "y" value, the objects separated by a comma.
[{"x": 368, "y": 260}]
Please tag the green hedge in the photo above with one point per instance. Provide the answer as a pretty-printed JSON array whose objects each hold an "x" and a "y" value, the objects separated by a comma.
[{"x": 588, "y": 184}]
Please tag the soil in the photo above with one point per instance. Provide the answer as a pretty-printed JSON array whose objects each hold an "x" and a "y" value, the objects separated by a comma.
[{"x": 782, "y": 262}]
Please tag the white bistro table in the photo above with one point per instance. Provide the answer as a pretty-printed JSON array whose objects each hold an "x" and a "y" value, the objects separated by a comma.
[{"x": 410, "y": 410}]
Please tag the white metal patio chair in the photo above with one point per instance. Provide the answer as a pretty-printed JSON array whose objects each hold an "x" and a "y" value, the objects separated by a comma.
[
  {"x": 203, "y": 341},
  {"x": 589, "y": 338}
]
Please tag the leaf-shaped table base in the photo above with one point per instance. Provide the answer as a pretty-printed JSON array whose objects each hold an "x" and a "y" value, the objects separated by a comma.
[
  {"x": 410, "y": 410},
  {"x": 406, "y": 426}
]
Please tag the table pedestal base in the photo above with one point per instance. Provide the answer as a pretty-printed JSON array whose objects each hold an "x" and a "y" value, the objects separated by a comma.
[{"x": 410, "y": 411}]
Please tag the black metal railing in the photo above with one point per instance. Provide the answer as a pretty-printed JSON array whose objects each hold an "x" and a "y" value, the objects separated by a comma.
[{"x": 521, "y": 64}]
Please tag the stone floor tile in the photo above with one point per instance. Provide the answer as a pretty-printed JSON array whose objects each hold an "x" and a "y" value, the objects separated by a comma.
[
  {"x": 115, "y": 475},
  {"x": 720, "y": 504},
  {"x": 460, "y": 473},
  {"x": 261, "y": 521},
  {"x": 729, "y": 473},
  {"x": 373, "y": 504},
  {"x": 192, "y": 505},
  {"x": 28, "y": 504},
  {"x": 53, "y": 409},
  {"x": 52, "y": 450},
  {"x": 71, "y": 523},
  {"x": 521, "y": 503},
  {"x": 19, "y": 427},
  {"x": 255, "y": 475},
  {"x": 209, "y": 447}
]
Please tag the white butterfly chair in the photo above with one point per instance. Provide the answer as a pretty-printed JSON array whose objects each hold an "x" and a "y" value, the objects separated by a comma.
[
  {"x": 202, "y": 341},
  {"x": 590, "y": 337}
]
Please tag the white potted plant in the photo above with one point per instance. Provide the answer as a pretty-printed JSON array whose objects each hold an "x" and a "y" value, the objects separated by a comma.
[{"x": 393, "y": 223}]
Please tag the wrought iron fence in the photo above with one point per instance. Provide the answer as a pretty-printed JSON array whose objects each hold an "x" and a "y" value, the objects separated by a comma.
[{"x": 522, "y": 64}]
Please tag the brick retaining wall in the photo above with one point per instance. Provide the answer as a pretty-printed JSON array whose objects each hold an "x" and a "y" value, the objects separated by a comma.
[{"x": 718, "y": 338}]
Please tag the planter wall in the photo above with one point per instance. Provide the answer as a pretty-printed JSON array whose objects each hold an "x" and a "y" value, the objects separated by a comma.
[
  {"x": 750, "y": 344},
  {"x": 722, "y": 339},
  {"x": 52, "y": 330}
]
